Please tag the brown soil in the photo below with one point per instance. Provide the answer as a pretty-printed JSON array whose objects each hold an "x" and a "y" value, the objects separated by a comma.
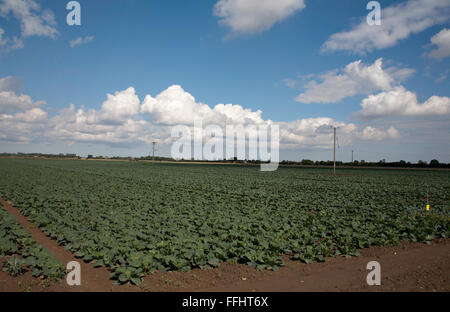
[
  {"x": 93, "y": 279},
  {"x": 407, "y": 267}
]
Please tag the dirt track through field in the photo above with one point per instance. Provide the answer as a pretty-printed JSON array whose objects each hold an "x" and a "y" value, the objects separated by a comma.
[
  {"x": 93, "y": 279},
  {"x": 407, "y": 267}
]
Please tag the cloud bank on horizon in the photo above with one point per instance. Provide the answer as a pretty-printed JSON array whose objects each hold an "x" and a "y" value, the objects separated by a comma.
[{"x": 123, "y": 119}]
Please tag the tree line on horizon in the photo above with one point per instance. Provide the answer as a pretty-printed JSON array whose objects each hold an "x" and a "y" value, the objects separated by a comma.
[{"x": 434, "y": 163}]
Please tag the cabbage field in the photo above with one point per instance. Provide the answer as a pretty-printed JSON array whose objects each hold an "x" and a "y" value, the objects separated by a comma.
[{"x": 135, "y": 218}]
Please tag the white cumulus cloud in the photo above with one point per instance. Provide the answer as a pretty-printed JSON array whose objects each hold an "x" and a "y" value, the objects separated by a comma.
[
  {"x": 9, "y": 101},
  {"x": 355, "y": 78},
  {"x": 372, "y": 134},
  {"x": 176, "y": 106},
  {"x": 314, "y": 132},
  {"x": 24, "y": 126},
  {"x": 401, "y": 102},
  {"x": 33, "y": 22},
  {"x": 120, "y": 106},
  {"x": 77, "y": 125},
  {"x": 119, "y": 121},
  {"x": 10, "y": 83},
  {"x": 398, "y": 22},
  {"x": 442, "y": 41},
  {"x": 253, "y": 16},
  {"x": 34, "y": 115}
]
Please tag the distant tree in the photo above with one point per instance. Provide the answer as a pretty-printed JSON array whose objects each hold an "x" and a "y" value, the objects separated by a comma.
[
  {"x": 422, "y": 163},
  {"x": 307, "y": 162},
  {"x": 90, "y": 156},
  {"x": 434, "y": 163}
]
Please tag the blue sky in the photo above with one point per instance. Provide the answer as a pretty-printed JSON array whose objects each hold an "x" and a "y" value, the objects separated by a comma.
[{"x": 152, "y": 45}]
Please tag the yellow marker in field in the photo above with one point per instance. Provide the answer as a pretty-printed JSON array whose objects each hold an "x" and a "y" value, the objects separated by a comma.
[{"x": 428, "y": 207}]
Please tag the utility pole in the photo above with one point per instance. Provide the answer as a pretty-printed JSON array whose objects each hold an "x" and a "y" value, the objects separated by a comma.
[
  {"x": 334, "y": 151},
  {"x": 153, "y": 152}
]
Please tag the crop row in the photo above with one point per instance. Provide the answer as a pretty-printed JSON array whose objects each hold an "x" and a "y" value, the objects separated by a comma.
[{"x": 21, "y": 253}]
